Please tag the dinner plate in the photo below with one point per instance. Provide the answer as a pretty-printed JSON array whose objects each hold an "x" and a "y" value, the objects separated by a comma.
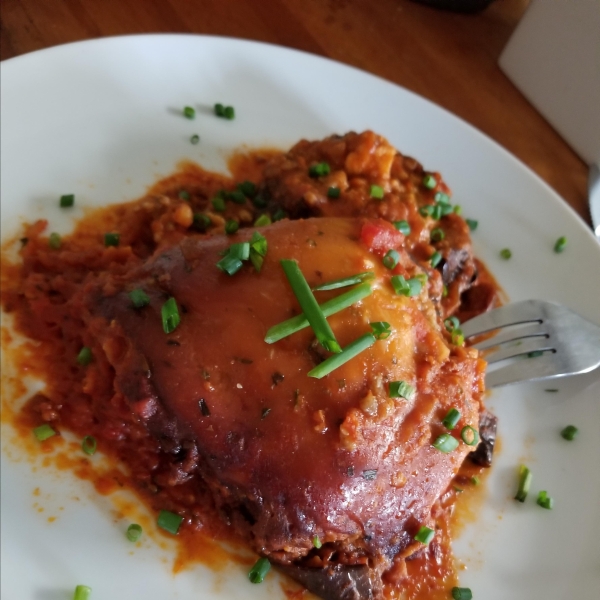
[{"x": 102, "y": 120}]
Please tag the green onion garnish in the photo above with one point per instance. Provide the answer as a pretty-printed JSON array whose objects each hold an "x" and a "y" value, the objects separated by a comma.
[
  {"x": 279, "y": 214},
  {"x": 189, "y": 112},
  {"x": 462, "y": 593},
  {"x": 525, "y": 477},
  {"x": 451, "y": 323},
  {"x": 445, "y": 443},
  {"x": 505, "y": 253},
  {"x": 231, "y": 226},
  {"x": 184, "y": 195},
  {"x": 170, "y": 315},
  {"x": 472, "y": 223},
  {"x": 309, "y": 305},
  {"x": 169, "y": 521},
  {"x": 230, "y": 264},
  {"x": 195, "y": 139},
  {"x": 457, "y": 337},
  {"x": 89, "y": 445},
  {"x": 84, "y": 357},
  {"x": 229, "y": 112},
  {"x": 248, "y": 188},
  {"x": 545, "y": 501},
  {"x": 436, "y": 212},
  {"x": 437, "y": 235},
  {"x": 134, "y": 532},
  {"x": 82, "y": 592},
  {"x": 535, "y": 354},
  {"x": 111, "y": 239},
  {"x": 425, "y": 535},
  {"x": 401, "y": 389},
  {"x": 258, "y": 250},
  {"x": 469, "y": 435},
  {"x": 559, "y": 246},
  {"x": 410, "y": 287},
  {"x": 219, "y": 110},
  {"x": 434, "y": 259},
  {"x": 391, "y": 259},
  {"x": 446, "y": 209},
  {"x": 429, "y": 181},
  {"x": 376, "y": 191},
  {"x": 236, "y": 196},
  {"x": 345, "y": 281},
  {"x": 286, "y": 328},
  {"x": 259, "y": 202},
  {"x": 426, "y": 210},
  {"x": 260, "y": 569},
  {"x": 316, "y": 542},
  {"x": 441, "y": 198},
  {"x": 262, "y": 221},
  {"x": 201, "y": 222},
  {"x": 218, "y": 203},
  {"x": 319, "y": 170},
  {"x": 475, "y": 480},
  {"x": 139, "y": 298},
  {"x": 67, "y": 200},
  {"x": 55, "y": 241},
  {"x": 402, "y": 226},
  {"x": 334, "y": 192},
  {"x": 569, "y": 432},
  {"x": 348, "y": 353},
  {"x": 451, "y": 419},
  {"x": 43, "y": 432},
  {"x": 458, "y": 210},
  {"x": 381, "y": 329}
]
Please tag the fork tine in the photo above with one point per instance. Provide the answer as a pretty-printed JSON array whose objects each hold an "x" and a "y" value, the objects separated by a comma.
[
  {"x": 529, "y": 345},
  {"x": 511, "y": 314},
  {"x": 510, "y": 335},
  {"x": 533, "y": 369}
]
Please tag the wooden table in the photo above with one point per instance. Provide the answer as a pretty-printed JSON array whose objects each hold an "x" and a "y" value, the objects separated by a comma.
[{"x": 447, "y": 57}]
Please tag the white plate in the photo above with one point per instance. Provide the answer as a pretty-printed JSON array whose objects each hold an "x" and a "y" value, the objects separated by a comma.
[{"x": 102, "y": 120}]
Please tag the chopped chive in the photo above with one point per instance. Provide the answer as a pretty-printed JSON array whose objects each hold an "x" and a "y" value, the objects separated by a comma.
[
  {"x": 505, "y": 253},
  {"x": 279, "y": 214},
  {"x": 445, "y": 443},
  {"x": 189, "y": 112},
  {"x": 525, "y": 477},
  {"x": 82, "y": 592},
  {"x": 43, "y": 432},
  {"x": 472, "y": 223},
  {"x": 262, "y": 221},
  {"x": 462, "y": 593},
  {"x": 111, "y": 239},
  {"x": 139, "y": 298},
  {"x": 259, "y": 571},
  {"x": 403, "y": 287},
  {"x": 376, "y": 191},
  {"x": 402, "y": 226},
  {"x": 451, "y": 419},
  {"x": 134, "y": 532},
  {"x": 441, "y": 198},
  {"x": 381, "y": 329},
  {"x": 334, "y": 192},
  {"x": 429, "y": 181},
  {"x": 231, "y": 226},
  {"x": 84, "y": 357},
  {"x": 55, "y": 241},
  {"x": 424, "y": 535},
  {"x": 169, "y": 521},
  {"x": 559, "y": 246},
  {"x": 348, "y": 353},
  {"x": 426, "y": 210},
  {"x": 434, "y": 259},
  {"x": 286, "y": 328},
  {"x": 218, "y": 203},
  {"x": 230, "y": 264},
  {"x": 552, "y": 390},
  {"x": 195, "y": 139},
  {"x": 259, "y": 202},
  {"x": 391, "y": 259},
  {"x": 569, "y": 433},
  {"x": 248, "y": 188},
  {"x": 67, "y": 200},
  {"x": 545, "y": 501},
  {"x": 240, "y": 251},
  {"x": 444, "y": 291},
  {"x": 446, "y": 209},
  {"x": 258, "y": 250},
  {"x": 437, "y": 235},
  {"x": 535, "y": 354},
  {"x": 229, "y": 112},
  {"x": 469, "y": 435},
  {"x": 184, "y": 195},
  {"x": 457, "y": 337},
  {"x": 436, "y": 212},
  {"x": 201, "y": 222},
  {"x": 458, "y": 211},
  {"x": 309, "y": 305},
  {"x": 219, "y": 110},
  {"x": 170, "y": 315},
  {"x": 235, "y": 196},
  {"x": 319, "y": 170},
  {"x": 89, "y": 445},
  {"x": 451, "y": 323},
  {"x": 475, "y": 480},
  {"x": 401, "y": 389},
  {"x": 316, "y": 542},
  {"x": 345, "y": 281}
]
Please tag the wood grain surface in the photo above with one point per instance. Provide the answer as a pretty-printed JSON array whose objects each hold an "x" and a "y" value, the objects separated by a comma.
[{"x": 449, "y": 58}]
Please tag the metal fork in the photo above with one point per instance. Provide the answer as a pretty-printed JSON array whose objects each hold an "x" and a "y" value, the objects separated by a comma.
[{"x": 546, "y": 339}]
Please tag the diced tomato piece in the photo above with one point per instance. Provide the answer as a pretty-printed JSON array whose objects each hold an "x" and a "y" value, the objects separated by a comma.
[{"x": 380, "y": 236}]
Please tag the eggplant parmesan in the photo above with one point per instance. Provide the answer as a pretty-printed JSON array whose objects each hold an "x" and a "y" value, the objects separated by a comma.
[{"x": 338, "y": 479}]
